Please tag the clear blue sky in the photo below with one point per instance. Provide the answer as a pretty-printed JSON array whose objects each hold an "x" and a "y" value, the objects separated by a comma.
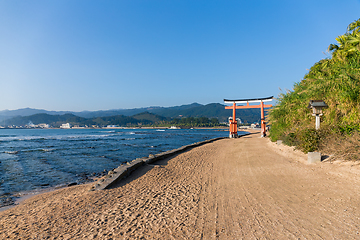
[{"x": 96, "y": 55}]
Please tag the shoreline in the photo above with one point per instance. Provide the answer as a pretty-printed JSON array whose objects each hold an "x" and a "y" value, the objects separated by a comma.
[
  {"x": 11, "y": 194},
  {"x": 106, "y": 180},
  {"x": 22, "y": 196},
  {"x": 243, "y": 188},
  {"x": 92, "y": 128},
  {"x": 123, "y": 170}
]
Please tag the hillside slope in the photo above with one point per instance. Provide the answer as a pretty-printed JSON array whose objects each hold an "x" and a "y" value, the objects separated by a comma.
[
  {"x": 335, "y": 80},
  {"x": 212, "y": 110},
  {"x": 57, "y": 120}
]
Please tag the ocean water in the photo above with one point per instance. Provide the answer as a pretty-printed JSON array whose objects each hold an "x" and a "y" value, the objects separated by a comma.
[{"x": 33, "y": 159}]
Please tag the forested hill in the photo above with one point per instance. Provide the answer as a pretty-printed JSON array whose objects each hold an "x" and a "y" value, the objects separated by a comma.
[
  {"x": 336, "y": 80},
  {"x": 138, "y": 120},
  {"x": 57, "y": 120},
  {"x": 212, "y": 110}
]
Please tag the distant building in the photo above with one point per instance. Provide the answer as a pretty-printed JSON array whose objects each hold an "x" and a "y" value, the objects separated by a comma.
[
  {"x": 30, "y": 124},
  {"x": 65, "y": 125},
  {"x": 43, "y": 125}
]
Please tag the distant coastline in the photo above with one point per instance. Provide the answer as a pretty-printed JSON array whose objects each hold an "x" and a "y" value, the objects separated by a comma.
[{"x": 154, "y": 127}]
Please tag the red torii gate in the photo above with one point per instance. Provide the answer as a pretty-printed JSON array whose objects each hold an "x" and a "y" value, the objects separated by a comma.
[{"x": 233, "y": 122}]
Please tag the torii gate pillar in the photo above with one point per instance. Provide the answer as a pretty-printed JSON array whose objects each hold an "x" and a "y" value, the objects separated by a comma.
[
  {"x": 263, "y": 124},
  {"x": 233, "y": 122}
]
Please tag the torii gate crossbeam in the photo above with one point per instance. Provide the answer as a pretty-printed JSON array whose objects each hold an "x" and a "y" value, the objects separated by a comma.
[{"x": 233, "y": 122}]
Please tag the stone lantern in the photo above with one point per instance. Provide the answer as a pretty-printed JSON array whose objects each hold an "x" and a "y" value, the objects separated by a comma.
[{"x": 317, "y": 106}]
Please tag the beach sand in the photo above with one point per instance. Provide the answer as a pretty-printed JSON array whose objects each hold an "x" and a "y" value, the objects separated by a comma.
[{"x": 245, "y": 188}]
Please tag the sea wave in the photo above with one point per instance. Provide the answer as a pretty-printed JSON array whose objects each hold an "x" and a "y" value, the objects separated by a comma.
[
  {"x": 26, "y": 138},
  {"x": 64, "y": 137},
  {"x": 30, "y": 159},
  {"x": 48, "y": 149},
  {"x": 12, "y": 152}
]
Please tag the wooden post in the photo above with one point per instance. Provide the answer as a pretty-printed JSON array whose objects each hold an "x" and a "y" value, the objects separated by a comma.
[
  {"x": 234, "y": 112},
  {"x": 263, "y": 125},
  {"x": 233, "y": 124}
]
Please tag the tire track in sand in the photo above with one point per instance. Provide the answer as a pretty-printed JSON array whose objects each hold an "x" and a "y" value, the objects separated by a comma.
[{"x": 228, "y": 189}]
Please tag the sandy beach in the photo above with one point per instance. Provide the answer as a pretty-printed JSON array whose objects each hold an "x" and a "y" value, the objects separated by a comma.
[{"x": 245, "y": 188}]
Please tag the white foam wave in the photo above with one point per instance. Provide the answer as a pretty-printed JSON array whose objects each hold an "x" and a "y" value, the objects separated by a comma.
[
  {"x": 48, "y": 149},
  {"x": 26, "y": 138},
  {"x": 12, "y": 152},
  {"x": 87, "y": 136}
]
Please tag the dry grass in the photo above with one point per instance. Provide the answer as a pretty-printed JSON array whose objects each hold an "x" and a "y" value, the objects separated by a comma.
[{"x": 345, "y": 147}]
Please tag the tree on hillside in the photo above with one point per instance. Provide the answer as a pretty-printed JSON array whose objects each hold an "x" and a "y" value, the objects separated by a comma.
[
  {"x": 336, "y": 80},
  {"x": 348, "y": 45}
]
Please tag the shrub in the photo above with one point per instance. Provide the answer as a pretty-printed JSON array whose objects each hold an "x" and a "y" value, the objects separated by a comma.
[
  {"x": 309, "y": 140},
  {"x": 335, "y": 80}
]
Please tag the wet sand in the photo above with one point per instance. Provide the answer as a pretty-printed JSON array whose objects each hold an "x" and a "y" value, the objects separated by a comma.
[{"x": 245, "y": 188}]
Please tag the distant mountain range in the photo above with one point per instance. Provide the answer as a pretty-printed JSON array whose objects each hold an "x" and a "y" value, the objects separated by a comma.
[{"x": 120, "y": 116}]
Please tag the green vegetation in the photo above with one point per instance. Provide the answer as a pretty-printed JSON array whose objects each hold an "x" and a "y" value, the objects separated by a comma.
[
  {"x": 151, "y": 117},
  {"x": 141, "y": 119},
  {"x": 336, "y": 80},
  {"x": 195, "y": 122},
  {"x": 57, "y": 120},
  {"x": 212, "y": 110},
  {"x": 193, "y": 115}
]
